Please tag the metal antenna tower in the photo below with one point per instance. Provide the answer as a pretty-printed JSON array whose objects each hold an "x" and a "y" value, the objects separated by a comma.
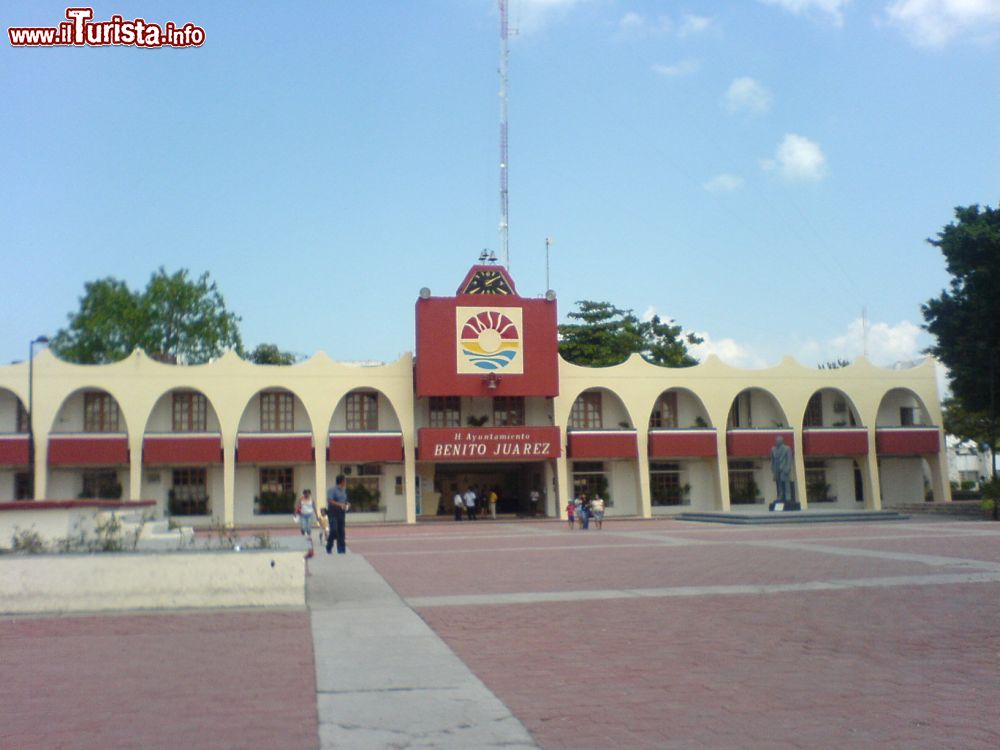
[{"x": 504, "y": 227}]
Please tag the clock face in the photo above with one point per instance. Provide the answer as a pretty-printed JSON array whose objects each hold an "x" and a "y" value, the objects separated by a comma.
[{"x": 487, "y": 282}]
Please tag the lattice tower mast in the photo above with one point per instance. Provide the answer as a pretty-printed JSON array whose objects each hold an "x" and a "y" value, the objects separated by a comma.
[{"x": 504, "y": 226}]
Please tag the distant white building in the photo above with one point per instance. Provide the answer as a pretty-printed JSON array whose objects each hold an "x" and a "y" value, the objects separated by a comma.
[{"x": 966, "y": 462}]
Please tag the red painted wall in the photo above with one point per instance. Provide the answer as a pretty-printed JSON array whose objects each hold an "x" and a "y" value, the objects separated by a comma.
[
  {"x": 173, "y": 449},
  {"x": 436, "y": 348},
  {"x": 907, "y": 441},
  {"x": 88, "y": 451},
  {"x": 608, "y": 444},
  {"x": 366, "y": 448},
  {"x": 682, "y": 444},
  {"x": 839, "y": 442},
  {"x": 755, "y": 443}
]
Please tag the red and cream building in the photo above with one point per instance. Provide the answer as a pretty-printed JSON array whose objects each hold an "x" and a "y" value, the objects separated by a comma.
[{"x": 485, "y": 400}]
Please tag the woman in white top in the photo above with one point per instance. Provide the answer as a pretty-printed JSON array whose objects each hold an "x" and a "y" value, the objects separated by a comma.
[{"x": 305, "y": 509}]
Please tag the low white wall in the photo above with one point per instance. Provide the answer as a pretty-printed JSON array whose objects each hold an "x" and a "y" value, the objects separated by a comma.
[{"x": 34, "y": 584}]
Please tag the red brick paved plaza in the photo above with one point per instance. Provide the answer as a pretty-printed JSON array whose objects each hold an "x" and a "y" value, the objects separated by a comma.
[
  {"x": 647, "y": 634},
  {"x": 674, "y": 635}
]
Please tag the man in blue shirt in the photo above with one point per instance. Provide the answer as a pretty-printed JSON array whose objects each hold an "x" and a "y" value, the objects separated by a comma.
[{"x": 336, "y": 507}]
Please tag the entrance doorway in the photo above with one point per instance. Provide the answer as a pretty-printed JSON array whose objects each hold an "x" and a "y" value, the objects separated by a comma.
[{"x": 513, "y": 484}]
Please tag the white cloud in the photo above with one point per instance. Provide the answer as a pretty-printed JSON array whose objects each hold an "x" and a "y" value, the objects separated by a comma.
[
  {"x": 635, "y": 24},
  {"x": 935, "y": 23},
  {"x": 531, "y": 15},
  {"x": 798, "y": 159},
  {"x": 691, "y": 24},
  {"x": 886, "y": 344},
  {"x": 728, "y": 350},
  {"x": 748, "y": 95},
  {"x": 678, "y": 69},
  {"x": 723, "y": 183},
  {"x": 831, "y": 9}
]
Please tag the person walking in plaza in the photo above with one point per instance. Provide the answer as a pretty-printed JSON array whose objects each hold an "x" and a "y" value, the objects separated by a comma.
[
  {"x": 337, "y": 505},
  {"x": 571, "y": 513},
  {"x": 534, "y": 496},
  {"x": 305, "y": 510},
  {"x": 597, "y": 511},
  {"x": 492, "y": 499},
  {"x": 470, "y": 503},
  {"x": 583, "y": 512},
  {"x": 459, "y": 503}
]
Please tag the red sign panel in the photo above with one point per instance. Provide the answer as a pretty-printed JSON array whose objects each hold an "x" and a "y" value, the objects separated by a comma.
[
  {"x": 485, "y": 343},
  {"x": 488, "y": 444}
]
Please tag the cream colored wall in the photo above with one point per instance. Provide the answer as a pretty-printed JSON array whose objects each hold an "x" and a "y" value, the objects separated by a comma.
[
  {"x": 231, "y": 386},
  {"x": 8, "y": 412},
  {"x": 638, "y": 384}
]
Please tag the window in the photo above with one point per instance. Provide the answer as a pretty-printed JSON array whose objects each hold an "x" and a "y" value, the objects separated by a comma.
[
  {"x": 445, "y": 411},
  {"x": 508, "y": 411},
  {"x": 740, "y": 414},
  {"x": 589, "y": 479},
  {"x": 190, "y": 410},
  {"x": 23, "y": 486},
  {"x": 817, "y": 490},
  {"x": 363, "y": 491},
  {"x": 100, "y": 412},
  {"x": 102, "y": 484},
  {"x": 665, "y": 414},
  {"x": 189, "y": 492},
  {"x": 277, "y": 493},
  {"x": 859, "y": 484},
  {"x": 362, "y": 411},
  {"x": 814, "y": 412},
  {"x": 586, "y": 412},
  {"x": 665, "y": 484},
  {"x": 743, "y": 489},
  {"x": 908, "y": 416},
  {"x": 22, "y": 418},
  {"x": 277, "y": 411}
]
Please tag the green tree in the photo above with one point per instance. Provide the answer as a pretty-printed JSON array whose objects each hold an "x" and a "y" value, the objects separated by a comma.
[
  {"x": 608, "y": 335},
  {"x": 270, "y": 354},
  {"x": 965, "y": 318},
  {"x": 176, "y": 319}
]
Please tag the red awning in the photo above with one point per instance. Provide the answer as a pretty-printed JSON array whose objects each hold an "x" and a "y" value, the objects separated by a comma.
[
  {"x": 752, "y": 443},
  {"x": 366, "y": 447},
  {"x": 603, "y": 444},
  {"x": 88, "y": 450},
  {"x": 14, "y": 450},
  {"x": 166, "y": 450},
  {"x": 907, "y": 441},
  {"x": 835, "y": 441},
  {"x": 682, "y": 444},
  {"x": 258, "y": 448}
]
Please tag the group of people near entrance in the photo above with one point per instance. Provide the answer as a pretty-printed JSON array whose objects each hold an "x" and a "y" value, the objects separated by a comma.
[
  {"x": 474, "y": 498},
  {"x": 581, "y": 510},
  {"x": 332, "y": 519}
]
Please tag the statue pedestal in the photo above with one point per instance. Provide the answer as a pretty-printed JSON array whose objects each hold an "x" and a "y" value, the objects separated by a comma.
[{"x": 787, "y": 505}]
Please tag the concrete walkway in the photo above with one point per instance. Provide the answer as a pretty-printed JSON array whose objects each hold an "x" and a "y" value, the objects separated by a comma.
[{"x": 384, "y": 679}]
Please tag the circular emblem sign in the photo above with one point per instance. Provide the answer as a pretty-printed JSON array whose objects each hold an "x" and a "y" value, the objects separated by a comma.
[{"x": 490, "y": 340}]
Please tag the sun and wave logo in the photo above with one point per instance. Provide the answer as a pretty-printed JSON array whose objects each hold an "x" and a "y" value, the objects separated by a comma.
[{"x": 489, "y": 340}]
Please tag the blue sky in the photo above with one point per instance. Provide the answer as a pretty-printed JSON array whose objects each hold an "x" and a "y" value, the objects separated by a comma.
[{"x": 758, "y": 170}]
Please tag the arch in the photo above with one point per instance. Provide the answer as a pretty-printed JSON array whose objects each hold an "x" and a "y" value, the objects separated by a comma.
[
  {"x": 300, "y": 420},
  {"x": 384, "y": 422},
  {"x": 160, "y": 417},
  {"x": 77, "y": 421},
  {"x": 587, "y": 412},
  {"x": 688, "y": 410},
  {"x": 12, "y": 411},
  {"x": 756, "y": 407},
  {"x": 831, "y": 407},
  {"x": 902, "y": 407}
]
